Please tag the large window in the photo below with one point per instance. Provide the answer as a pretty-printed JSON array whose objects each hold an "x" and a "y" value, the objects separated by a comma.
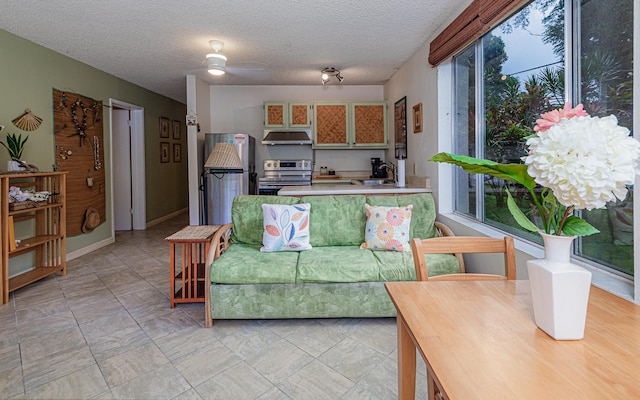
[{"x": 525, "y": 67}]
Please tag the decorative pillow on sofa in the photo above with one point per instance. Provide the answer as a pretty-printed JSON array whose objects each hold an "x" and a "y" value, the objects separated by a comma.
[
  {"x": 286, "y": 228},
  {"x": 387, "y": 228}
]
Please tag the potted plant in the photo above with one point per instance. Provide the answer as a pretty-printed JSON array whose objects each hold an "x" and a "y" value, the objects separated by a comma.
[{"x": 15, "y": 146}]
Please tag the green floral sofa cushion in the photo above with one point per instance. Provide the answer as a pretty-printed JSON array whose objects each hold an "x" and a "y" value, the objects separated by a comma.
[
  {"x": 245, "y": 264},
  {"x": 398, "y": 266},
  {"x": 423, "y": 214},
  {"x": 246, "y": 216},
  {"x": 337, "y": 264},
  {"x": 336, "y": 220},
  {"x": 394, "y": 265}
]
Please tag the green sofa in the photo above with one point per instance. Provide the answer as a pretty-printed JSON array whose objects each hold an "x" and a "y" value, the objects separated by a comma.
[{"x": 334, "y": 279}]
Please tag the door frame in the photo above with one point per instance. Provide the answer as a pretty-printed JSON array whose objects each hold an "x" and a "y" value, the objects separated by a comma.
[{"x": 138, "y": 193}]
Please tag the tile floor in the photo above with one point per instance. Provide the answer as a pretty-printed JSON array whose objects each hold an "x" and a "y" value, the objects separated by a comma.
[{"x": 105, "y": 331}]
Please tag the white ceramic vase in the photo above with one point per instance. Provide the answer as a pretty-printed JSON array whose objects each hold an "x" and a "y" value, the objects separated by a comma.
[
  {"x": 13, "y": 166},
  {"x": 559, "y": 290}
]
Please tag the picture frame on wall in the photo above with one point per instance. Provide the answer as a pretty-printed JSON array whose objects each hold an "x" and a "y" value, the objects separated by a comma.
[
  {"x": 164, "y": 127},
  {"x": 400, "y": 125},
  {"x": 177, "y": 152},
  {"x": 417, "y": 118},
  {"x": 175, "y": 128},
  {"x": 164, "y": 152}
]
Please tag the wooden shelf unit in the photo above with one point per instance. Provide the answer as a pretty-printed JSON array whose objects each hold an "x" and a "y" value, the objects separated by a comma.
[{"x": 48, "y": 239}]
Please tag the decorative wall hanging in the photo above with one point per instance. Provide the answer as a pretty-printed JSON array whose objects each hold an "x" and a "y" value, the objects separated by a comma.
[
  {"x": 79, "y": 144},
  {"x": 176, "y": 130},
  {"x": 27, "y": 121},
  {"x": 164, "y": 127},
  {"x": 177, "y": 152},
  {"x": 417, "y": 118},
  {"x": 164, "y": 152},
  {"x": 400, "y": 124}
]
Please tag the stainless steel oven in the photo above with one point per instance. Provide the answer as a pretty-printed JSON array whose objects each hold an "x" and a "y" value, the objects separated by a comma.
[{"x": 280, "y": 173}]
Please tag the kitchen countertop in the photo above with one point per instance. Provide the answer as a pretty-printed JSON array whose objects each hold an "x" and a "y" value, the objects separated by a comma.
[{"x": 326, "y": 189}]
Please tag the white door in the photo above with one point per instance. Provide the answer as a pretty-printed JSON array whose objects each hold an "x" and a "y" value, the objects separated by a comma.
[{"x": 121, "y": 169}]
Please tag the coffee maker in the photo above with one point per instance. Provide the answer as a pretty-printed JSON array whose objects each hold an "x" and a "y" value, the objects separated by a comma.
[{"x": 376, "y": 172}]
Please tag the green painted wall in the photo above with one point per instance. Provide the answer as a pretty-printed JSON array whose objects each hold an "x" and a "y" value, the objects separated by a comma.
[{"x": 29, "y": 73}]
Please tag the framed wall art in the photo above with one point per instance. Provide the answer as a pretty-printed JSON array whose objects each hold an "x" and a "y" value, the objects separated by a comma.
[
  {"x": 164, "y": 152},
  {"x": 400, "y": 125},
  {"x": 175, "y": 128},
  {"x": 177, "y": 152},
  {"x": 164, "y": 127},
  {"x": 417, "y": 118}
]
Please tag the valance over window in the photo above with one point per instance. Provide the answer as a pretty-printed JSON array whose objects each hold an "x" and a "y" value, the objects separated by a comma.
[{"x": 473, "y": 22}]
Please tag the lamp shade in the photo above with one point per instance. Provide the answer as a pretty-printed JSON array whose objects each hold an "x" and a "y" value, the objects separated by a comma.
[{"x": 224, "y": 158}]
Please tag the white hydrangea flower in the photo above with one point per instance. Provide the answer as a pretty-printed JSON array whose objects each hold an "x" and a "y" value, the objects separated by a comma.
[{"x": 586, "y": 161}]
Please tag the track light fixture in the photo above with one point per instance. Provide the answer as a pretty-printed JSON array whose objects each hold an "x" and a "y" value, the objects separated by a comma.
[{"x": 329, "y": 72}]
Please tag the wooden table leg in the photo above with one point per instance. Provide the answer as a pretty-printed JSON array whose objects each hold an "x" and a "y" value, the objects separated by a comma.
[
  {"x": 172, "y": 284},
  {"x": 432, "y": 388},
  {"x": 406, "y": 362}
]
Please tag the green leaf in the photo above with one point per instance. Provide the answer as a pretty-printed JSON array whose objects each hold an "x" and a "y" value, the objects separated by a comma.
[
  {"x": 518, "y": 215},
  {"x": 15, "y": 145},
  {"x": 509, "y": 172},
  {"x": 575, "y": 226}
]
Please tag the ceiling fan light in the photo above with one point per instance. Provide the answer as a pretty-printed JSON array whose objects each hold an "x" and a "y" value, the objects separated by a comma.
[
  {"x": 216, "y": 63},
  {"x": 217, "y": 55},
  {"x": 217, "y": 71}
]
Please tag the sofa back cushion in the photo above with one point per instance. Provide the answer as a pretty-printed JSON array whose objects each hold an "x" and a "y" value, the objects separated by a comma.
[
  {"x": 423, "y": 215},
  {"x": 336, "y": 220},
  {"x": 246, "y": 216}
]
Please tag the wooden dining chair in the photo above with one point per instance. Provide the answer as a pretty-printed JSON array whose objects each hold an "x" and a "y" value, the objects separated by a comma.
[{"x": 463, "y": 244}]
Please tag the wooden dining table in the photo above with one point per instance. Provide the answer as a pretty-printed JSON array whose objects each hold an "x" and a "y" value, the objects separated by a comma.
[{"x": 479, "y": 341}]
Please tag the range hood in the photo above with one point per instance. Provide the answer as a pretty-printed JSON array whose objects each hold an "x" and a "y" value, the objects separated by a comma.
[{"x": 287, "y": 136}]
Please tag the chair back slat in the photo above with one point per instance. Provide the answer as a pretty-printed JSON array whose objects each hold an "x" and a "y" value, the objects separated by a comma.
[{"x": 463, "y": 244}]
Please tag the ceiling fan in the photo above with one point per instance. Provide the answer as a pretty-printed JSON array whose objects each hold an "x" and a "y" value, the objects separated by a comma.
[{"x": 217, "y": 61}]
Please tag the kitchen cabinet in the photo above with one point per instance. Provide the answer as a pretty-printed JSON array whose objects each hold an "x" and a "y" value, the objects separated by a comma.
[
  {"x": 369, "y": 125},
  {"x": 287, "y": 114},
  {"x": 41, "y": 225},
  {"x": 331, "y": 125},
  {"x": 350, "y": 125}
]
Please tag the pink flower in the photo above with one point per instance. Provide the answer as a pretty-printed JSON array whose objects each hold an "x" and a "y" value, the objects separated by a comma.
[{"x": 554, "y": 117}]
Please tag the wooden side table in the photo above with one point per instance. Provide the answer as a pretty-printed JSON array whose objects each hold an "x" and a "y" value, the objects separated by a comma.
[{"x": 194, "y": 244}]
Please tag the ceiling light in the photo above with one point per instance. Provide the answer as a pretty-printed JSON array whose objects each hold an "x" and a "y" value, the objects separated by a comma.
[
  {"x": 329, "y": 72},
  {"x": 217, "y": 61}
]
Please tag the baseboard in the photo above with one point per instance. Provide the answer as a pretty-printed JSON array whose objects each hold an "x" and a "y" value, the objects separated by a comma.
[
  {"x": 166, "y": 217},
  {"x": 88, "y": 249}
]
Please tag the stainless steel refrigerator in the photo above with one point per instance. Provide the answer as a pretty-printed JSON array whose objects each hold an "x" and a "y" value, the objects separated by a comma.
[{"x": 220, "y": 187}]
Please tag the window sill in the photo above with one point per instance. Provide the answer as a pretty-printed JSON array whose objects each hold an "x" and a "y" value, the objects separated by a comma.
[{"x": 612, "y": 283}]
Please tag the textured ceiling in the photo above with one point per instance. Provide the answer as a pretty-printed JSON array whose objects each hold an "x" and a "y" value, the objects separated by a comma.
[{"x": 154, "y": 44}]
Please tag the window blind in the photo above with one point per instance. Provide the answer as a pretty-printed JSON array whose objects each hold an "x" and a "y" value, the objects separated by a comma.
[{"x": 473, "y": 22}]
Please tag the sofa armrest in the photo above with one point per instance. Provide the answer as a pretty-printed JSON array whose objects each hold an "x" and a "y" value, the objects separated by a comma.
[
  {"x": 219, "y": 243},
  {"x": 444, "y": 230}
]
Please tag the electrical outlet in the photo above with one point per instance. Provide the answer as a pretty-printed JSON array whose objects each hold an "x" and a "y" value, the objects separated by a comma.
[{"x": 415, "y": 170}]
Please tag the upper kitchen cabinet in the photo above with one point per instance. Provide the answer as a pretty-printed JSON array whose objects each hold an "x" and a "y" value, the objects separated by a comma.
[
  {"x": 350, "y": 125},
  {"x": 369, "y": 125},
  {"x": 331, "y": 125},
  {"x": 281, "y": 114}
]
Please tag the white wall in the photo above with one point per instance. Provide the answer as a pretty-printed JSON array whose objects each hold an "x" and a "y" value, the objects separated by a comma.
[
  {"x": 417, "y": 80},
  {"x": 239, "y": 109}
]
